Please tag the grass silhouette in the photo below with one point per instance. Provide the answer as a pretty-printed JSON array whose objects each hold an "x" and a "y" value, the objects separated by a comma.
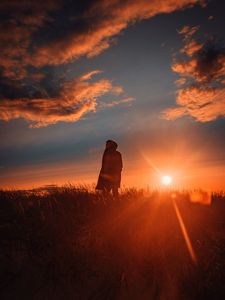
[{"x": 72, "y": 243}]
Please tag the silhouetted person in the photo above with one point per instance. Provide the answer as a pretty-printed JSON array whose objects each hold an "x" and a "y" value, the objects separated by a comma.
[{"x": 110, "y": 174}]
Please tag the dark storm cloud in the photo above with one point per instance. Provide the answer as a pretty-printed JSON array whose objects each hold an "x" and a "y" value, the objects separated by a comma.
[
  {"x": 36, "y": 34},
  {"x": 202, "y": 78}
]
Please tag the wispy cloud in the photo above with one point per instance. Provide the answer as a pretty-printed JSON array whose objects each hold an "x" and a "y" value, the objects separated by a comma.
[
  {"x": 31, "y": 34},
  {"x": 76, "y": 98},
  {"x": 100, "y": 21},
  {"x": 127, "y": 101},
  {"x": 202, "y": 77}
]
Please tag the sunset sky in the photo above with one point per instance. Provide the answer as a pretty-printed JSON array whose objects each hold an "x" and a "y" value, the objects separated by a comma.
[{"x": 148, "y": 74}]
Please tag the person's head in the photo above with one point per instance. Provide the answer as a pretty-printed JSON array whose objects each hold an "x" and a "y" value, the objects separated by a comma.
[{"x": 110, "y": 144}]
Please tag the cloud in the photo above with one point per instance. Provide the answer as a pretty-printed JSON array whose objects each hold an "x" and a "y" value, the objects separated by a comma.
[
  {"x": 101, "y": 21},
  {"x": 203, "y": 104},
  {"x": 36, "y": 37},
  {"x": 202, "y": 77},
  {"x": 75, "y": 98},
  {"x": 180, "y": 81},
  {"x": 21, "y": 20},
  {"x": 86, "y": 29},
  {"x": 191, "y": 48},
  {"x": 188, "y": 31},
  {"x": 127, "y": 100},
  {"x": 210, "y": 18}
]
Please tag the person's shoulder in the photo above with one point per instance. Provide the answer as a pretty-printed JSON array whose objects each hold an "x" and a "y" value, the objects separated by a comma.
[{"x": 118, "y": 153}]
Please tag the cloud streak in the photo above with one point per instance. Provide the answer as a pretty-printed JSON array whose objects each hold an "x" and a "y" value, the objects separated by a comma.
[
  {"x": 101, "y": 21},
  {"x": 75, "y": 99},
  {"x": 86, "y": 32},
  {"x": 126, "y": 101},
  {"x": 201, "y": 92}
]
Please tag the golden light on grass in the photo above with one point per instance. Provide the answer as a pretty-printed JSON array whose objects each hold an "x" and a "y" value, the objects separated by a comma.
[{"x": 166, "y": 180}]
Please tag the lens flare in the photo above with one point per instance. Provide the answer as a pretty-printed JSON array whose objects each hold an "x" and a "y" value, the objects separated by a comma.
[{"x": 185, "y": 233}]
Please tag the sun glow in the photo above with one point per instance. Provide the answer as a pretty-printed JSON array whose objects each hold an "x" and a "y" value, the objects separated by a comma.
[{"x": 166, "y": 180}]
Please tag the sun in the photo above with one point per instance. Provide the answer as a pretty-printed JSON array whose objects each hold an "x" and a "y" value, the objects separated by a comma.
[{"x": 166, "y": 180}]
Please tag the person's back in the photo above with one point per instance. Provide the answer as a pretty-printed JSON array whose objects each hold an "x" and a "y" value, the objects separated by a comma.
[
  {"x": 112, "y": 162},
  {"x": 110, "y": 174}
]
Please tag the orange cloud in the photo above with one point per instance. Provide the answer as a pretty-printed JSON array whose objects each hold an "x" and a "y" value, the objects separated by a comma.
[
  {"x": 180, "y": 81},
  {"x": 33, "y": 35},
  {"x": 191, "y": 48},
  {"x": 127, "y": 100},
  {"x": 188, "y": 31},
  {"x": 98, "y": 22},
  {"x": 22, "y": 20},
  {"x": 76, "y": 98},
  {"x": 185, "y": 68},
  {"x": 202, "y": 104},
  {"x": 202, "y": 75},
  {"x": 103, "y": 20}
]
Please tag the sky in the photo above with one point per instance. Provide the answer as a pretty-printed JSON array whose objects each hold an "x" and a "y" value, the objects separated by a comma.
[{"x": 147, "y": 74}]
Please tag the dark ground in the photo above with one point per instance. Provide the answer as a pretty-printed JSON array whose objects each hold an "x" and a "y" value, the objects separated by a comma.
[{"x": 70, "y": 243}]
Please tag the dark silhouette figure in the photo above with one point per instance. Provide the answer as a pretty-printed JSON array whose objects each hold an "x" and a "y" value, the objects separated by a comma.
[{"x": 110, "y": 174}]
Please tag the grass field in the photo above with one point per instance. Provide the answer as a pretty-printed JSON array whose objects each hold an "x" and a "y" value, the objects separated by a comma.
[{"x": 73, "y": 243}]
